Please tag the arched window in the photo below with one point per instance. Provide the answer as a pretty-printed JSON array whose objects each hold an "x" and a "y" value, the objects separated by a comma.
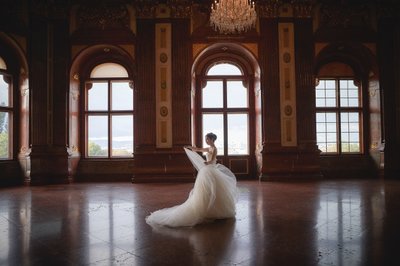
[
  {"x": 225, "y": 108},
  {"x": 109, "y": 112},
  {"x": 7, "y": 112},
  {"x": 226, "y": 100},
  {"x": 339, "y": 116}
]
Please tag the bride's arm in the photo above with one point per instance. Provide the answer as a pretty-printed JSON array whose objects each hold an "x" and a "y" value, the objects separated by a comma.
[{"x": 197, "y": 149}]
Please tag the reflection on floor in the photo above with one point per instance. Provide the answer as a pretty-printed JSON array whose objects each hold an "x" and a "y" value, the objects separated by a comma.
[{"x": 277, "y": 223}]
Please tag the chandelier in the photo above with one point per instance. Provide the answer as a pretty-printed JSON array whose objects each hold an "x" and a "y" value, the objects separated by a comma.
[{"x": 233, "y": 16}]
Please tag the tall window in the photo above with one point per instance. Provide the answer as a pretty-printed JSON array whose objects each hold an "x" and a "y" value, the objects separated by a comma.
[
  {"x": 109, "y": 112},
  {"x": 339, "y": 116},
  {"x": 225, "y": 109},
  {"x": 6, "y": 112}
]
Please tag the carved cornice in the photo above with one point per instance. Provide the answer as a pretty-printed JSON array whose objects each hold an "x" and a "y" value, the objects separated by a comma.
[
  {"x": 145, "y": 9},
  {"x": 106, "y": 16},
  {"x": 50, "y": 9},
  {"x": 176, "y": 9},
  {"x": 344, "y": 16},
  {"x": 303, "y": 8},
  {"x": 268, "y": 8},
  {"x": 271, "y": 8},
  {"x": 180, "y": 8}
]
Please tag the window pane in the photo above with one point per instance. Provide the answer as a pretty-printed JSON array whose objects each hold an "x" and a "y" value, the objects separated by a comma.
[
  {"x": 331, "y": 93},
  {"x": 320, "y": 103},
  {"x": 354, "y": 137},
  {"x": 353, "y": 102},
  {"x": 325, "y": 94},
  {"x": 345, "y": 147},
  {"x": 321, "y": 137},
  {"x": 349, "y": 94},
  {"x": 330, "y": 84},
  {"x": 5, "y": 90},
  {"x": 109, "y": 70},
  {"x": 212, "y": 95},
  {"x": 122, "y": 96},
  {"x": 321, "y": 127},
  {"x": 331, "y": 127},
  {"x": 98, "y": 96},
  {"x": 326, "y": 132},
  {"x": 97, "y": 136},
  {"x": 238, "y": 138},
  {"x": 236, "y": 94},
  {"x": 332, "y": 147},
  {"x": 122, "y": 135},
  {"x": 345, "y": 137},
  {"x": 330, "y": 117},
  {"x": 321, "y": 117},
  {"x": 331, "y": 137},
  {"x": 330, "y": 102},
  {"x": 224, "y": 69},
  {"x": 350, "y": 132},
  {"x": 355, "y": 147},
  {"x": 214, "y": 123},
  {"x": 320, "y": 93},
  {"x": 344, "y": 102},
  {"x": 353, "y": 117},
  {"x": 4, "y": 135}
]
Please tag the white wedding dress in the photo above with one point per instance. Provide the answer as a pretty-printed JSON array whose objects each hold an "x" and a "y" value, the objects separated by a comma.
[{"x": 213, "y": 196}]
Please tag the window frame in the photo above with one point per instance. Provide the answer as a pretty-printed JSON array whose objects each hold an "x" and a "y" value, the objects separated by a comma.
[
  {"x": 11, "y": 110},
  {"x": 338, "y": 110},
  {"x": 225, "y": 110},
  {"x": 109, "y": 113}
]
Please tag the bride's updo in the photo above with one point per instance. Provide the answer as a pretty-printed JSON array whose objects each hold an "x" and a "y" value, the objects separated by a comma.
[{"x": 211, "y": 136}]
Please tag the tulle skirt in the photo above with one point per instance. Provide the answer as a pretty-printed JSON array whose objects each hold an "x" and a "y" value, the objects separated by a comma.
[{"x": 213, "y": 197}]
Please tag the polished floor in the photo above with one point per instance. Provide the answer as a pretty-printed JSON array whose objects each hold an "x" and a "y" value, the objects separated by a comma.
[{"x": 336, "y": 222}]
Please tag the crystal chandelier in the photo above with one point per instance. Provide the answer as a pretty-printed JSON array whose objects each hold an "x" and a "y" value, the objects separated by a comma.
[{"x": 233, "y": 16}]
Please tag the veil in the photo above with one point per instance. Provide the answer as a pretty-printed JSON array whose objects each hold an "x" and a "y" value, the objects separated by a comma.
[{"x": 195, "y": 159}]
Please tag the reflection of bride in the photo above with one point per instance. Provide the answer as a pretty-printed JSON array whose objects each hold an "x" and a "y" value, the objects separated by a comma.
[
  {"x": 212, "y": 197},
  {"x": 210, "y": 244}
]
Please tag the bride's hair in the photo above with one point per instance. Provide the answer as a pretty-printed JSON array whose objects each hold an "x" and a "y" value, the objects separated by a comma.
[{"x": 211, "y": 136}]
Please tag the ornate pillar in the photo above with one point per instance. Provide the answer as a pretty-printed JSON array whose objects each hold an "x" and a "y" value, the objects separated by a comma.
[
  {"x": 269, "y": 83},
  {"x": 181, "y": 78},
  {"x": 286, "y": 55},
  {"x": 163, "y": 93},
  {"x": 48, "y": 82},
  {"x": 389, "y": 57},
  {"x": 307, "y": 149}
]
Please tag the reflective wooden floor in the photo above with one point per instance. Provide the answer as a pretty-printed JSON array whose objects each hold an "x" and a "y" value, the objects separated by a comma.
[{"x": 277, "y": 223}]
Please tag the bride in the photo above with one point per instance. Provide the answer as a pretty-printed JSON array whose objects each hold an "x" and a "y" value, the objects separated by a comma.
[{"x": 212, "y": 197}]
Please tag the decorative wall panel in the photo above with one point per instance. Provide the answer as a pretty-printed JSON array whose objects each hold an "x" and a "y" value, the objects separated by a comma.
[
  {"x": 163, "y": 85},
  {"x": 287, "y": 80}
]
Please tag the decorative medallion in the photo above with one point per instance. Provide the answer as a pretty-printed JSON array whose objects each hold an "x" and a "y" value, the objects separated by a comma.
[
  {"x": 163, "y": 111},
  {"x": 75, "y": 94},
  {"x": 24, "y": 91},
  {"x": 288, "y": 110},
  {"x": 286, "y": 57},
  {"x": 163, "y": 58}
]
